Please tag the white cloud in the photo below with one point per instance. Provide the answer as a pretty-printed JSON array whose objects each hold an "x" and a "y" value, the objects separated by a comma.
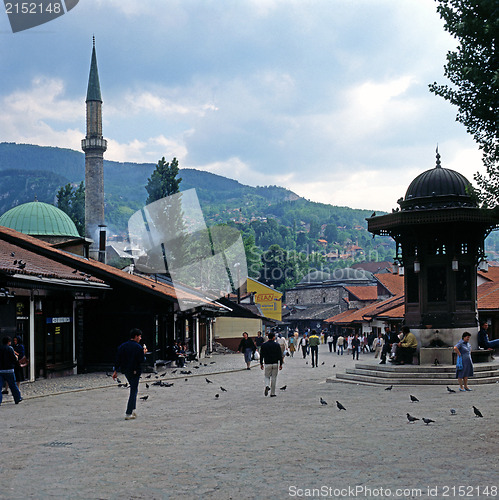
[
  {"x": 148, "y": 151},
  {"x": 158, "y": 103},
  {"x": 32, "y": 115}
]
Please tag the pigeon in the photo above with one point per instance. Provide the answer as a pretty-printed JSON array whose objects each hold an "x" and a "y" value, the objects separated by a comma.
[
  {"x": 12, "y": 254},
  {"x": 389, "y": 388},
  {"x": 212, "y": 362},
  {"x": 411, "y": 418},
  {"x": 109, "y": 374},
  {"x": 334, "y": 366},
  {"x": 436, "y": 362},
  {"x": 283, "y": 388},
  {"x": 306, "y": 363},
  {"x": 148, "y": 376},
  {"x": 453, "y": 411},
  {"x": 121, "y": 385},
  {"x": 222, "y": 389},
  {"x": 144, "y": 398},
  {"x": 323, "y": 363},
  {"x": 147, "y": 385},
  {"x": 118, "y": 380},
  {"x": 204, "y": 364},
  {"x": 428, "y": 420},
  {"x": 196, "y": 367},
  {"x": 166, "y": 384},
  {"x": 163, "y": 374},
  {"x": 340, "y": 406},
  {"x": 185, "y": 380},
  {"x": 217, "y": 395},
  {"x": 478, "y": 413},
  {"x": 323, "y": 403},
  {"x": 450, "y": 390},
  {"x": 208, "y": 381},
  {"x": 174, "y": 371},
  {"x": 414, "y": 399}
]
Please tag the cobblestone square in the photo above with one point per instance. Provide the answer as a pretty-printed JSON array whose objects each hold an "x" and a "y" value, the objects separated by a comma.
[{"x": 69, "y": 439}]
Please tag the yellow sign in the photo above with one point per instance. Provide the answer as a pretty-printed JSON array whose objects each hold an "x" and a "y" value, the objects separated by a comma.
[{"x": 269, "y": 300}]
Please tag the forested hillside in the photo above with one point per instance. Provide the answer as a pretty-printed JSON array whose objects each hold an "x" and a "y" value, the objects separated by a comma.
[{"x": 272, "y": 219}]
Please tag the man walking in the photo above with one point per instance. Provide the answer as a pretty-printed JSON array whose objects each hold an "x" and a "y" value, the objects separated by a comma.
[
  {"x": 129, "y": 359},
  {"x": 313, "y": 342},
  {"x": 271, "y": 357},
  {"x": 8, "y": 361}
]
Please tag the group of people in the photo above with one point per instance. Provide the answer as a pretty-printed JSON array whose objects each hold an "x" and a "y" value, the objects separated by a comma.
[
  {"x": 400, "y": 347},
  {"x": 180, "y": 351}
]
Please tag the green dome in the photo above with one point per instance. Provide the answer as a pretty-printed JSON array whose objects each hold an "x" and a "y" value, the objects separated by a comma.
[{"x": 39, "y": 219}]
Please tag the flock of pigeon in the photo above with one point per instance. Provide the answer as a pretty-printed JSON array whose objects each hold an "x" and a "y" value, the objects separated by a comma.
[
  {"x": 413, "y": 399},
  {"x": 411, "y": 419},
  {"x": 158, "y": 382}
]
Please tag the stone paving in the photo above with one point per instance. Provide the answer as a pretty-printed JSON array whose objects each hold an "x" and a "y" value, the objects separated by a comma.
[{"x": 68, "y": 438}]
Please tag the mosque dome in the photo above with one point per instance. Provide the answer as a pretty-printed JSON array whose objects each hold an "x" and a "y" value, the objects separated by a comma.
[
  {"x": 39, "y": 219},
  {"x": 438, "y": 188}
]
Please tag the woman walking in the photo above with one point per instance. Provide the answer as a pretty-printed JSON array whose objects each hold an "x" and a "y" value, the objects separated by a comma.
[
  {"x": 463, "y": 351},
  {"x": 247, "y": 347}
]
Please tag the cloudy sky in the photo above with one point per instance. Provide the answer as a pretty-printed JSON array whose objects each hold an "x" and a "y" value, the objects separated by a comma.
[{"x": 328, "y": 98}]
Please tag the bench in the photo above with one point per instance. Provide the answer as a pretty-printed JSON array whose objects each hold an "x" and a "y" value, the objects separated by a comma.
[{"x": 477, "y": 356}]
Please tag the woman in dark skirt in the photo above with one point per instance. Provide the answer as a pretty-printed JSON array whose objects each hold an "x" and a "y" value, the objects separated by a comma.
[
  {"x": 463, "y": 349},
  {"x": 248, "y": 347}
]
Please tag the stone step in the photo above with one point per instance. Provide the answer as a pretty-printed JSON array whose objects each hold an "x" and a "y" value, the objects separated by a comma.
[
  {"x": 367, "y": 379},
  {"x": 376, "y": 374},
  {"x": 424, "y": 368},
  {"x": 447, "y": 375}
]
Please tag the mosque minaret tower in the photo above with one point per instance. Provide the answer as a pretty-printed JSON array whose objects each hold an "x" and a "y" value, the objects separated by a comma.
[{"x": 94, "y": 146}]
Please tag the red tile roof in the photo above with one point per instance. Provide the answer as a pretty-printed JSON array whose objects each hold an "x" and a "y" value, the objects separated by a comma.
[
  {"x": 16, "y": 260},
  {"x": 363, "y": 292},
  {"x": 90, "y": 267},
  {"x": 341, "y": 318},
  {"x": 390, "y": 308},
  {"x": 491, "y": 275},
  {"x": 488, "y": 296},
  {"x": 394, "y": 283}
]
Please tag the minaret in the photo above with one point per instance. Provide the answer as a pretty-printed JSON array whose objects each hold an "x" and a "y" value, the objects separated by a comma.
[{"x": 94, "y": 146}]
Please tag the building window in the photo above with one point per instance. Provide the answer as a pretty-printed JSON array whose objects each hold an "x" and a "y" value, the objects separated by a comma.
[
  {"x": 463, "y": 283},
  {"x": 412, "y": 282},
  {"x": 296, "y": 300},
  {"x": 437, "y": 284}
]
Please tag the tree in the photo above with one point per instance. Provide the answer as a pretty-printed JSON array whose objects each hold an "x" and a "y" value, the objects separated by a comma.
[
  {"x": 331, "y": 233},
  {"x": 163, "y": 181},
  {"x": 314, "y": 227},
  {"x": 168, "y": 218},
  {"x": 71, "y": 200},
  {"x": 473, "y": 70},
  {"x": 253, "y": 256}
]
